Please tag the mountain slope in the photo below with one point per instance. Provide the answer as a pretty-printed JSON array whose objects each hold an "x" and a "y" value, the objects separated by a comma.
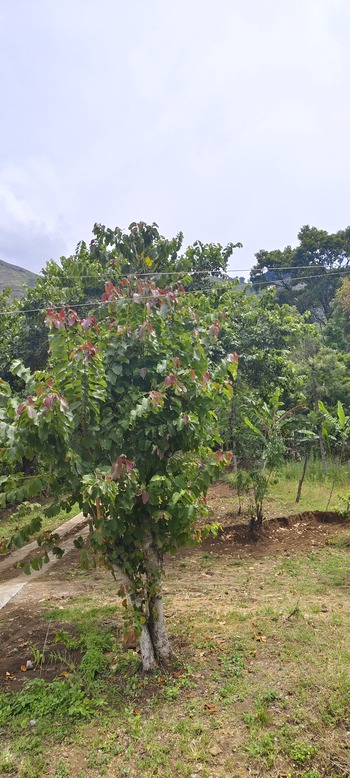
[{"x": 16, "y": 277}]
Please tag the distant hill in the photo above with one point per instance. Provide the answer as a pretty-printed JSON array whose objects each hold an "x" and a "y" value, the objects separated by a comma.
[{"x": 16, "y": 277}]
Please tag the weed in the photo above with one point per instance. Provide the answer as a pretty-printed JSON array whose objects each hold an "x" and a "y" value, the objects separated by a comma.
[
  {"x": 61, "y": 771},
  {"x": 38, "y": 700},
  {"x": 301, "y": 751},
  {"x": 269, "y": 696},
  {"x": 262, "y": 747},
  {"x": 72, "y": 643},
  {"x": 311, "y": 774},
  {"x": 7, "y": 762}
]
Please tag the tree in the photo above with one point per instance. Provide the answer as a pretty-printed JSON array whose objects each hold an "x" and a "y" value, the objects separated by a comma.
[
  {"x": 267, "y": 428},
  {"x": 79, "y": 280},
  {"x": 337, "y": 332},
  {"x": 125, "y": 423},
  {"x": 324, "y": 377},
  {"x": 264, "y": 334},
  {"x": 306, "y": 276}
]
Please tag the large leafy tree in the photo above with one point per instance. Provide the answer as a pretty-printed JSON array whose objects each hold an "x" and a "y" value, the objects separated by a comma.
[
  {"x": 125, "y": 423},
  {"x": 337, "y": 332},
  {"x": 79, "y": 280},
  {"x": 306, "y": 276}
]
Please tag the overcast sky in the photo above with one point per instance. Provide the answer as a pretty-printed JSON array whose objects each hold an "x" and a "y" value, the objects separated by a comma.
[{"x": 226, "y": 119}]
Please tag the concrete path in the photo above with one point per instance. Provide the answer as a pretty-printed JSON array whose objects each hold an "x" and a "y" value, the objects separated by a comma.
[
  {"x": 9, "y": 589},
  {"x": 17, "y": 556}
]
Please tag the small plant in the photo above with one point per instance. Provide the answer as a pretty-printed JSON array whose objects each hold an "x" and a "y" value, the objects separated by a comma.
[
  {"x": 72, "y": 643},
  {"x": 65, "y": 660},
  {"x": 269, "y": 696},
  {"x": 38, "y": 656},
  {"x": 262, "y": 747},
  {"x": 61, "y": 771},
  {"x": 241, "y": 481},
  {"x": 301, "y": 751},
  {"x": 345, "y": 503},
  {"x": 268, "y": 426}
]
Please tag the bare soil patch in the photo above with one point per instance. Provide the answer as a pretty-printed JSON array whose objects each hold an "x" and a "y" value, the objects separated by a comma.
[
  {"x": 300, "y": 532},
  {"x": 22, "y": 630}
]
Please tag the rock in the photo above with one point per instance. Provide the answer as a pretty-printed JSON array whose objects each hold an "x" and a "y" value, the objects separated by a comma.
[{"x": 29, "y": 664}]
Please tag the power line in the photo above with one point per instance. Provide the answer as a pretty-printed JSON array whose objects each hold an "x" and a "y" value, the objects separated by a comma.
[
  {"x": 97, "y": 304},
  {"x": 153, "y": 273}
]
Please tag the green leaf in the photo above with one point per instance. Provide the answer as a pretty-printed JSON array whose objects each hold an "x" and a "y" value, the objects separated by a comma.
[
  {"x": 253, "y": 428},
  {"x": 341, "y": 415}
]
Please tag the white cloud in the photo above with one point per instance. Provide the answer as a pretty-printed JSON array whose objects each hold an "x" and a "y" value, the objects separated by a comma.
[
  {"x": 30, "y": 220},
  {"x": 226, "y": 120}
]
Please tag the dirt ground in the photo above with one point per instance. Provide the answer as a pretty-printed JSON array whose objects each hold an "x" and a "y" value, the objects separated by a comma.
[{"x": 23, "y": 625}]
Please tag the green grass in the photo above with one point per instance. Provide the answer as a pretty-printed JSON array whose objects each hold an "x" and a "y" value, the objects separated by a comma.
[
  {"x": 316, "y": 490},
  {"x": 10, "y": 523},
  {"x": 261, "y": 683}
]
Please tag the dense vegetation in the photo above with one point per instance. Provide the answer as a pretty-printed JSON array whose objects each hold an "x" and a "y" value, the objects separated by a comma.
[{"x": 120, "y": 390}]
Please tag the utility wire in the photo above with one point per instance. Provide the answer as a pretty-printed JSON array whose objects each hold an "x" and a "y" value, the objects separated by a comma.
[
  {"x": 151, "y": 273},
  {"x": 216, "y": 287}
]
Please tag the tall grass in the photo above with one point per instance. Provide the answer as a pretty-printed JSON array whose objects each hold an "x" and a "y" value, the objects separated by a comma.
[{"x": 340, "y": 474}]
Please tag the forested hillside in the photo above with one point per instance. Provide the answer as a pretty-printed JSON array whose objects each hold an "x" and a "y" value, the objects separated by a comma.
[{"x": 16, "y": 278}]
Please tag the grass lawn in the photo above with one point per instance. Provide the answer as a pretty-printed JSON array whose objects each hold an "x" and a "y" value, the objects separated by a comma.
[
  {"x": 10, "y": 523},
  {"x": 260, "y": 685}
]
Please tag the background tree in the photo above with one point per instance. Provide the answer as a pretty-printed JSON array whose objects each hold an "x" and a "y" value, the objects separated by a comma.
[{"x": 308, "y": 275}]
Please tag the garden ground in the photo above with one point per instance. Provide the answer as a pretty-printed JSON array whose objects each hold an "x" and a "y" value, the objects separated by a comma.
[{"x": 260, "y": 685}]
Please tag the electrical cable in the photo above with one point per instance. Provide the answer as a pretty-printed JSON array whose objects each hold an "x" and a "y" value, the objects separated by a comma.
[{"x": 212, "y": 289}]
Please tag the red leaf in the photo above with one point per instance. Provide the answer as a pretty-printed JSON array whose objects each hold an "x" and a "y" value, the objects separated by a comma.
[
  {"x": 86, "y": 323},
  {"x": 129, "y": 466},
  {"x": 48, "y": 402},
  {"x": 116, "y": 468},
  {"x": 170, "y": 380},
  {"x": 144, "y": 497},
  {"x": 143, "y": 372},
  {"x": 156, "y": 397}
]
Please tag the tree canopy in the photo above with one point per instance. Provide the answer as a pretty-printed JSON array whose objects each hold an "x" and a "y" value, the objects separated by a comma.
[{"x": 308, "y": 275}]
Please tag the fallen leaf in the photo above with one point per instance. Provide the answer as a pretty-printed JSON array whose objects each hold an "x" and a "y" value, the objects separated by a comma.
[
  {"x": 24, "y": 668},
  {"x": 210, "y": 708},
  {"x": 137, "y": 712},
  {"x": 261, "y": 638}
]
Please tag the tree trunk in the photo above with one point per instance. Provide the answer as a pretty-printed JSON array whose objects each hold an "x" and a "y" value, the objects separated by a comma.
[
  {"x": 148, "y": 657},
  {"x": 156, "y": 623},
  {"x": 158, "y": 629},
  {"x": 322, "y": 450},
  {"x": 155, "y": 646},
  {"x": 300, "y": 484}
]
